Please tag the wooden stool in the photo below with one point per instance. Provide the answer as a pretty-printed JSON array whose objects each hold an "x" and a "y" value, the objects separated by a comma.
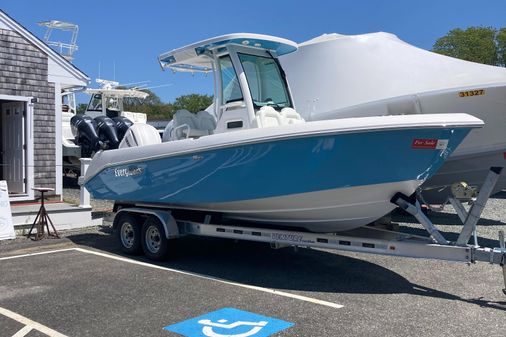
[{"x": 42, "y": 219}]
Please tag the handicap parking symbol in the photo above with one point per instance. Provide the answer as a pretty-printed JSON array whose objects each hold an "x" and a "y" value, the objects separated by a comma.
[{"x": 229, "y": 322}]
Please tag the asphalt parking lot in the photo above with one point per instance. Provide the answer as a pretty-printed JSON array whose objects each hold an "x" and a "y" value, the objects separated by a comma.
[{"x": 82, "y": 286}]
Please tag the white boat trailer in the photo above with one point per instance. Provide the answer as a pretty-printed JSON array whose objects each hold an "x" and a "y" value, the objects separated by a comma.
[{"x": 154, "y": 225}]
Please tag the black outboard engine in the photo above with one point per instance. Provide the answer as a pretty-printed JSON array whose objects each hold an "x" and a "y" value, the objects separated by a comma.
[
  {"x": 122, "y": 126},
  {"x": 83, "y": 128},
  {"x": 106, "y": 130}
]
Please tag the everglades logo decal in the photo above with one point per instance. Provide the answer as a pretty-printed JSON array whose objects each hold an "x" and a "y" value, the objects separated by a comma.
[{"x": 128, "y": 172}]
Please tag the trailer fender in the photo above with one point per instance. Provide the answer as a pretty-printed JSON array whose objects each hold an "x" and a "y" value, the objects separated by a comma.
[{"x": 165, "y": 217}]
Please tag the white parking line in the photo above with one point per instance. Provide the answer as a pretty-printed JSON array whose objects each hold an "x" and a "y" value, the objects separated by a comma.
[
  {"x": 29, "y": 325},
  {"x": 215, "y": 279},
  {"x": 34, "y": 254},
  {"x": 265, "y": 290},
  {"x": 23, "y": 332}
]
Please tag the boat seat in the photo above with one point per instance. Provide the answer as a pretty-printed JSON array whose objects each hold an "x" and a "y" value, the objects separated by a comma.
[
  {"x": 291, "y": 116},
  {"x": 189, "y": 125},
  {"x": 140, "y": 134},
  {"x": 206, "y": 122},
  {"x": 267, "y": 116}
]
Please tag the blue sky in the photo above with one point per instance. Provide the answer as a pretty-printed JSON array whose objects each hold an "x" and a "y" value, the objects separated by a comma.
[{"x": 131, "y": 34}]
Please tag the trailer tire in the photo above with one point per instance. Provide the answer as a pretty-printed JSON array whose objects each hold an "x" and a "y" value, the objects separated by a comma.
[
  {"x": 154, "y": 242},
  {"x": 129, "y": 233}
]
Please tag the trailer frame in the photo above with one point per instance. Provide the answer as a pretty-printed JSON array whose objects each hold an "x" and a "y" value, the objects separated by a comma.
[{"x": 157, "y": 224}]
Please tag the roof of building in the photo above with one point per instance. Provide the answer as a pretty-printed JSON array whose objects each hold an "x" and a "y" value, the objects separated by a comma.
[{"x": 55, "y": 56}]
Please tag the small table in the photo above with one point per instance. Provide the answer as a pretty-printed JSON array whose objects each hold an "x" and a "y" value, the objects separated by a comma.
[{"x": 42, "y": 219}]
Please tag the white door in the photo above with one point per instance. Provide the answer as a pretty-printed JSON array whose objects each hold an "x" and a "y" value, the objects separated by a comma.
[{"x": 13, "y": 135}]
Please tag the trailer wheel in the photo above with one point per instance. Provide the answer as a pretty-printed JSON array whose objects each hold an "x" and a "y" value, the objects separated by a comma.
[
  {"x": 129, "y": 234},
  {"x": 154, "y": 243}
]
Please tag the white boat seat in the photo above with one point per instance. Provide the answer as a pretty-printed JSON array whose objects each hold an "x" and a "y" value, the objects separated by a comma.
[
  {"x": 139, "y": 135},
  {"x": 206, "y": 122},
  {"x": 267, "y": 116},
  {"x": 189, "y": 125},
  {"x": 291, "y": 116}
]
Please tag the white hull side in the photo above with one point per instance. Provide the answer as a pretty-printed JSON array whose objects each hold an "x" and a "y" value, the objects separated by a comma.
[
  {"x": 472, "y": 169},
  {"x": 324, "y": 211},
  {"x": 490, "y": 107}
]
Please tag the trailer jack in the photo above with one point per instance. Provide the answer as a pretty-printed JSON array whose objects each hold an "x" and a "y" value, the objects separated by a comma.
[{"x": 469, "y": 219}]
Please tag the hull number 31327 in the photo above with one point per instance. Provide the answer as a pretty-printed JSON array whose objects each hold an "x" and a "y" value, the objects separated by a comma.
[{"x": 470, "y": 93}]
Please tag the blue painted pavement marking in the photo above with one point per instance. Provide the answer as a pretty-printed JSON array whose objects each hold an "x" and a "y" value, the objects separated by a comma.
[{"x": 229, "y": 322}]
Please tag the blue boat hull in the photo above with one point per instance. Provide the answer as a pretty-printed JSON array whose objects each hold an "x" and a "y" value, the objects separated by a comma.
[{"x": 222, "y": 178}]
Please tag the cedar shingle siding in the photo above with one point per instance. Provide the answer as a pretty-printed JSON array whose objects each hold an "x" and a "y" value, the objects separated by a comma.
[{"x": 23, "y": 72}]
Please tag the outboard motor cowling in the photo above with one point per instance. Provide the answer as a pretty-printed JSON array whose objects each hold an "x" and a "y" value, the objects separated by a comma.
[
  {"x": 140, "y": 135},
  {"x": 84, "y": 130},
  {"x": 122, "y": 126},
  {"x": 106, "y": 130}
]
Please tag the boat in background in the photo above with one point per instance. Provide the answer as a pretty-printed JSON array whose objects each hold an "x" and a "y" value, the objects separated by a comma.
[
  {"x": 341, "y": 76},
  {"x": 103, "y": 124},
  {"x": 260, "y": 161},
  {"x": 109, "y": 99},
  {"x": 105, "y": 121}
]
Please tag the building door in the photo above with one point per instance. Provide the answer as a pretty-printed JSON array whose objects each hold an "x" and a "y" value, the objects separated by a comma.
[{"x": 13, "y": 146}]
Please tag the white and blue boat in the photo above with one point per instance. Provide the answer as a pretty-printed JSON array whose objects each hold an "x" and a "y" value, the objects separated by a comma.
[{"x": 252, "y": 157}]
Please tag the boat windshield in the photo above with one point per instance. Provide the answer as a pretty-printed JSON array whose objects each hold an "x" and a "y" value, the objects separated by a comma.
[
  {"x": 231, "y": 90},
  {"x": 111, "y": 103},
  {"x": 95, "y": 103},
  {"x": 265, "y": 81}
]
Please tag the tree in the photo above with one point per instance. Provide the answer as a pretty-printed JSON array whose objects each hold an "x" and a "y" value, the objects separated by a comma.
[
  {"x": 81, "y": 108},
  {"x": 152, "y": 99},
  {"x": 193, "y": 102},
  {"x": 477, "y": 44},
  {"x": 501, "y": 46},
  {"x": 157, "y": 110}
]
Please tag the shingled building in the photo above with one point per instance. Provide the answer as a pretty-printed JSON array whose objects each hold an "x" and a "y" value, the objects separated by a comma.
[{"x": 32, "y": 78}]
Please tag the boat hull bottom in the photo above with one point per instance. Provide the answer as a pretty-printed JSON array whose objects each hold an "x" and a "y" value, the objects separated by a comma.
[{"x": 323, "y": 211}]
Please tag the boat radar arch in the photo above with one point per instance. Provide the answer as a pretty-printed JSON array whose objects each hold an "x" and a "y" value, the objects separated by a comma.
[{"x": 193, "y": 57}]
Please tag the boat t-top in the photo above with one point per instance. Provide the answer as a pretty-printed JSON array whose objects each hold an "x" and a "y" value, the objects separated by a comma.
[
  {"x": 253, "y": 158},
  {"x": 108, "y": 100}
]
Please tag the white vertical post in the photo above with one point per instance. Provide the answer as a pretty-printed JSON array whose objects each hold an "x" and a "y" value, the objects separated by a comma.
[
  {"x": 84, "y": 196},
  {"x": 58, "y": 140}
]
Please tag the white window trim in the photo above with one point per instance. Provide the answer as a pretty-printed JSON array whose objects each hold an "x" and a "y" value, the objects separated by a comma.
[{"x": 30, "y": 195}]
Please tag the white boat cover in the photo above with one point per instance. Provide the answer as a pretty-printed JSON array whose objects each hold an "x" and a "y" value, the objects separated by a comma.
[{"x": 336, "y": 71}]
